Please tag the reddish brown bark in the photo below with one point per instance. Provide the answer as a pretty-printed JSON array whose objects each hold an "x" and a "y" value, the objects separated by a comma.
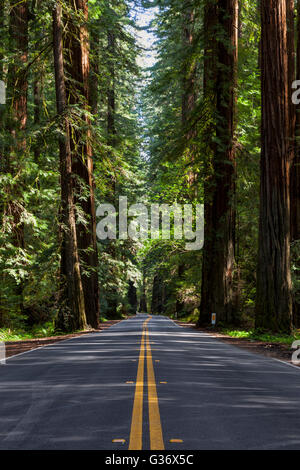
[
  {"x": 295, "y": 169},
  {"x": 17, "y": 88},
  {"x": 157, "y": 302},
  {"x": 112, "y": 143},
  {"x": 189, "y": 95},
  {"x": 274, "y": 299},
  {"x": 17, "y": 79},
  {"x": 71, "y": 299},
  {"x": 37, "y": 87},
  {"x": 94, "y": 72},
  {"x": 295, "y": 184},
  {"x": 218, "y": 254},
  {"x": 143, "y": 299},
  {"x": 77, "y": 46},
  {"x": 111, "y": 99},
  {"x": 2, "y": 38},
  {"x": 209, "y": 85},
  {"x": 290, "y": 6}
]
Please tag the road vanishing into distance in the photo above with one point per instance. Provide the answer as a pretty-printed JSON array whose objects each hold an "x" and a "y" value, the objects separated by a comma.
[{"x": 146, "y": 383}]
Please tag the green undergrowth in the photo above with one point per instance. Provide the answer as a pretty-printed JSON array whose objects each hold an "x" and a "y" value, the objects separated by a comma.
[
  {"x": 256, "y": 335},
  {"x": 187, "y": 318},
  {"x": 250, "y": 334},
  {"x": 39, "y": 331}
]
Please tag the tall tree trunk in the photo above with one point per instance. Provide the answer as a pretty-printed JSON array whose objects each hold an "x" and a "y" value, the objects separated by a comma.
[
  {"x": 157, "y": 303},
  {"x": 37, "y": 100},
  {"x": 290, "y": 5},
  {"x": 37, "y": 88},
  {"x": 218, "y": 255},
  {"x": 274, "y": 298},
  {"x": 2, "y": 165},
  {"x": 111, "y": 100},
  {"x": 225, "y": 162},
  {"x": 112, "y": 140},
  {"x": 17, "y": 101},
  {"x": 72, "y": 307},
  {"x": 94, "y": 73},
  {"x": 179, "y": 303},
  {"x": 77, "y": 45},
  {"x": 295, "y": 170},
  {"x": 189, "y": 95},
  {"x": 143, "y": 300},
  {"x": 17, "y": 73},
  {"x": 2, "y": 107},
  {"x": 132, "y": 298},
  {"x": 187, "y": 109},
  {"x": 209, "y": 85},
  {"x": 2, "y": 4},
  {"x": 295, "y": 182}
]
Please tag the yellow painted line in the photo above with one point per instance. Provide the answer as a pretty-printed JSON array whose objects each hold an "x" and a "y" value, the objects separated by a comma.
[
  {"x": 119, "y": 441},
  {"x": 176, "y": 441},
  {"x": 155, "y": 429},
  {"x": 156, "y": 436},
  {"x": 163, "y": 382},
  {"x": 136, "y": 431},
  {"x": 130, "y": 382}
]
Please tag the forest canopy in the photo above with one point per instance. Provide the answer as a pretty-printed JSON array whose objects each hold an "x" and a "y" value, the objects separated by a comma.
[{"x": 161, "y": 102}]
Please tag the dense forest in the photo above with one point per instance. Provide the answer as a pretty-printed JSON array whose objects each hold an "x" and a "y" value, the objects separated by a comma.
[{"x": 187, "y": 102}]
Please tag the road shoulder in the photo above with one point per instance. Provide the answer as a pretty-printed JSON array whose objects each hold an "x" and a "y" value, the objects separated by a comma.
[
  {"x": 277, "y": 351},
  {"x": 13, "y": 348}
]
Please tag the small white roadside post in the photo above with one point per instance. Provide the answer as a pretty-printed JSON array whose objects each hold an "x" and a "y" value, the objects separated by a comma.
[{"x": 213, "y": 319}]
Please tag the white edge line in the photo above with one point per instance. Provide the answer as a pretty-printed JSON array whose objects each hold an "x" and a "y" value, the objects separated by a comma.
[
  {"x": 256, "y": 354},
  {"x": 259, "y": 354},
  {"x": 47, "y": 345},
  {"x": 52, "y": 344},
  {"x": 286, "y": 363},
  {"x": 179, "y": 326}
]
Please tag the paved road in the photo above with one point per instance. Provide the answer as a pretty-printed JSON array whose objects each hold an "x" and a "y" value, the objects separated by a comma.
[{"x": 89, "y": 391}]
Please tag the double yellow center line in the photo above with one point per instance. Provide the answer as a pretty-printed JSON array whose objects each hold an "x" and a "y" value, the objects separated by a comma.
[{"x": 155, "y": 429}]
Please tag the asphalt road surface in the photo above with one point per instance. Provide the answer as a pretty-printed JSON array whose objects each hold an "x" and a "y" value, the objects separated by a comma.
[{"x": 148, "y": 384}]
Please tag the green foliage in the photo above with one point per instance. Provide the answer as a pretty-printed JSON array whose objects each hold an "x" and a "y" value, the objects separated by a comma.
[
  {"x": 256, "y": 335},
  {"x": 146, "y": 153},
  {"x": 29, "y": 275},
  {"x": 38, "y": 331}
]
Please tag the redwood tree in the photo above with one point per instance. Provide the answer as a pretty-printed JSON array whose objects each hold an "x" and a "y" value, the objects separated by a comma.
[
  {"x": 77, "y": 86},
  {"x": 295, "y": 183},
  {"x": 274, "y": 290},
  {"x": 295, "y": 170},
  {"x": 218, "y": 256},
  {"x": 17, "y": 90},
  {"x": 1, "y": 34},
  {"x": 71, "y": 299},
  {"x": 209, "y": 85},
  {"x": 189, "y": 94}
]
